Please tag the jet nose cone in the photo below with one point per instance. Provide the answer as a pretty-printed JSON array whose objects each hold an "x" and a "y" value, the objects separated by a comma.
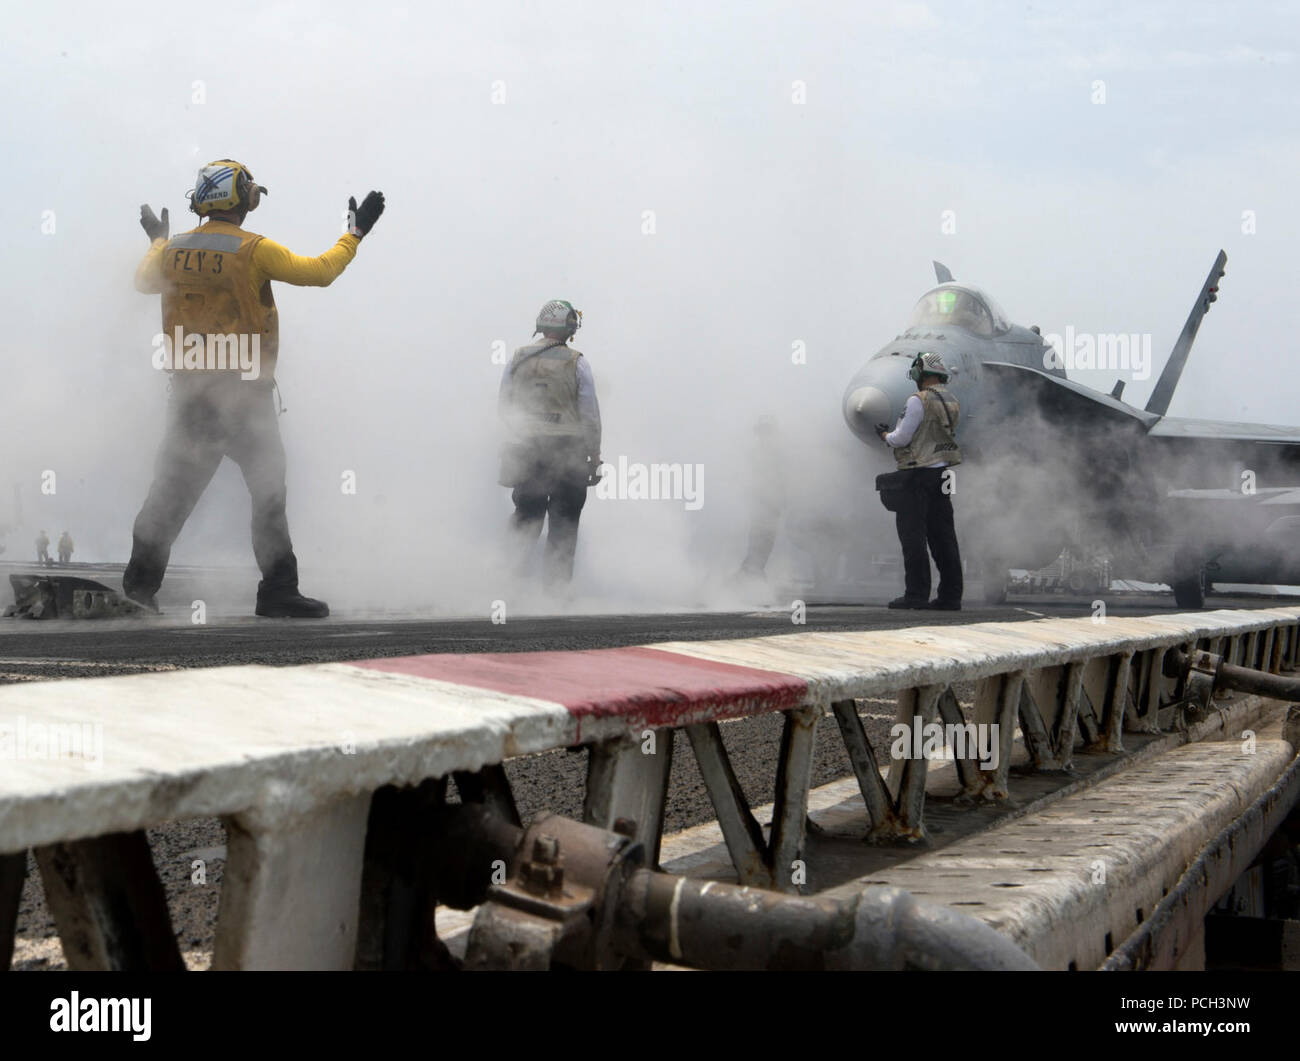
[{"x": 870, "y": 406}]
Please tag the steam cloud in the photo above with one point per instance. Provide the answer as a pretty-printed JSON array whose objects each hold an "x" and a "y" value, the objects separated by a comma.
[{"x": 654, "y": 170}]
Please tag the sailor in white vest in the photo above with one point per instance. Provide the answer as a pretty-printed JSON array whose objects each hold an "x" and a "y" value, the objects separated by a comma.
[{"x": 925, "y": 445}]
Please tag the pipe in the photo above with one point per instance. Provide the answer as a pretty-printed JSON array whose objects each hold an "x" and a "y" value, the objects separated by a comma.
[
  {"x": 725, "y": 926},
  {"x": 1248, "y": 680},
  {"x": 1230, "y": 676},
  {"x": 467, "y": 839}
]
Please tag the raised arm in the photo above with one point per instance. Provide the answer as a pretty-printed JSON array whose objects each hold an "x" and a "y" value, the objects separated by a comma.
[{"x": 275, "y": 262}]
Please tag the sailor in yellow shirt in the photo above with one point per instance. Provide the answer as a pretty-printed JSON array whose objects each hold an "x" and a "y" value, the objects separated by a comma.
[{"x": 220, "y": 343}]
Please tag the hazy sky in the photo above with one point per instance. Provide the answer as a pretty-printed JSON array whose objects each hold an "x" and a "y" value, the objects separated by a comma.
[{"x": 774, "y": 221}]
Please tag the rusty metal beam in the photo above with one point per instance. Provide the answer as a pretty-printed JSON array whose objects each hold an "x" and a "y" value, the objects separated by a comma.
[
  {"x": 1117, "y": 703},
  {"x": 1089, "y": 726},
  {"x": 793, "y": 782},
  {"x": 910, "y": 801},
  {"x": 742, "y": 833},
  {"x": 1034, "y": 730},
  {"x": 1149, "y": 715},
  {"x": 968, "y": 770},
  {"x": 1067, "y": 727},
  {"x": 863, "y": 760},
  {"x": 997, "y": 701},
  {"x": 291, "y": 890},
  {"x": 109, "y": 905},
  {"x": 396, "y": 929},
  {"x": 13, "y": 871},
  {"x": 627, "y": 781}
]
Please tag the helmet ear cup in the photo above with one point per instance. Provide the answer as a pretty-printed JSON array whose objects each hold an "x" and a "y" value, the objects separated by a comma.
[
  {"x": 559, "y": 316},
  {"x": 254, "y": 194},
  {"x": 244, "y": 188},
  {"x": 927, "y": 363}
]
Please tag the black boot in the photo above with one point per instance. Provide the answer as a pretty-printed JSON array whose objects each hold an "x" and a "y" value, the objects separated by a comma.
[
  {"x": 278, "y": 596},
  {"x": 149, "y": 602},
  {"x": 290, "y": 604},
  {"x": 143, "y": 575}
]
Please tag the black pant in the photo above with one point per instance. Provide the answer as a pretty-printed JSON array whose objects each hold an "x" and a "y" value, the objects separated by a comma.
[
  {"x": 763, "y": 521},
  {"x": 924, "y": 517},
  {"x": 559, "y": 498},
  {"x": 209, "y": 419}
]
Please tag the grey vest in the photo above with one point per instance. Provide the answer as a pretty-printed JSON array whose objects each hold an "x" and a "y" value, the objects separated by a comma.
[
  {"x": 936, "y": 439},
  {"x": 543, "y": 391}
]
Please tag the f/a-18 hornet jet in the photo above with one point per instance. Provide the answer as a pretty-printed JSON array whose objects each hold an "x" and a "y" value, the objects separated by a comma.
[{"x": 1051, "y": 464}]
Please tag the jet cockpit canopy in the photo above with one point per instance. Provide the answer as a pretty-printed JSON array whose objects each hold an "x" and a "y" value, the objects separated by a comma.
[{"x": 961, "y": 306}]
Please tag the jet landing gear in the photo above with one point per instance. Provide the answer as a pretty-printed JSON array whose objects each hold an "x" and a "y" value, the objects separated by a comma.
[{"x": 1191, "y": 582}]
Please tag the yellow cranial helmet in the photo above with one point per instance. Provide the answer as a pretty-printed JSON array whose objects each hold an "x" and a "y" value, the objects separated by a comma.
[{"x": 224, "y": 185}]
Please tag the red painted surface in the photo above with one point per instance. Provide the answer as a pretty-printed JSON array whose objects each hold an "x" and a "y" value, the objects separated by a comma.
[{"x": 645, "y": 685}]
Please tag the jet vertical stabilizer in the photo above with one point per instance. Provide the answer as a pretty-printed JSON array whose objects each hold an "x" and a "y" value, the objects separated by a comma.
[{"x": 1164, "y": 388}]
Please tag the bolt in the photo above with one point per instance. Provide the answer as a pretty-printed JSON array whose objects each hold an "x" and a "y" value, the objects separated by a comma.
[
  {"x": 546, "y": 850},
  {"x": 625, "y": 827}
]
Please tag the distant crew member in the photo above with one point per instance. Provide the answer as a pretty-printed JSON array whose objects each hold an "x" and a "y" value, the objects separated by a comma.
[
  {"x": 548, "y": 404},
  {"x": 924, "y": 444},
  {"x": 767, "y": 496},
  {"x": 215, "y": 283},
  {"x": 43, "y": 549},
  {"x": 65, "y": 548}
]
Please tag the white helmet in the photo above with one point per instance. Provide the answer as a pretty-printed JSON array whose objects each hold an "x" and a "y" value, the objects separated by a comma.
[
  {"x": 558, "y": 317},
  {"x": 928, "y": 364}
]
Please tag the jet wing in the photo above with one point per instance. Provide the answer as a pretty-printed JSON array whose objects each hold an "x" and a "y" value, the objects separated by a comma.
[
  {"x": 1063, "y": 393},
  {"x": 1069, "y": 393},
  {"x": 1267, "y": 495},
  {"x": 1225, "y": 431},
  {"x": 1075, "y": 405}
]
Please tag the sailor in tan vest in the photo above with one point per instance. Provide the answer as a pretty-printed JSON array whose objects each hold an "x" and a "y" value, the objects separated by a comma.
[
  {"x": 548, "y": 405},
  {"x": 219, "y": 345},
  {"x": 925, "y": 445}
]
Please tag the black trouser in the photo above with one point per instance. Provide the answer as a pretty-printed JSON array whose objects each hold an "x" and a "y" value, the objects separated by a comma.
[
  {"x": 763, "y": 521},
  {"x": 554, "y": 487},
  {"x": 208, "y": 419},
  {"x": 924, "y": 517}
]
